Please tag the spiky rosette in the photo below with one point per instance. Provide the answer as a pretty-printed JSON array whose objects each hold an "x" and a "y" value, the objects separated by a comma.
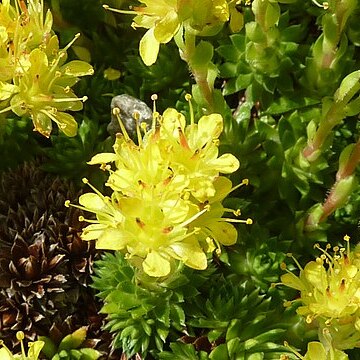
[
  {"x": 235, "y": 321},
  {"x": 142, "y": 312},
  {"x": 45, "y": 267}
]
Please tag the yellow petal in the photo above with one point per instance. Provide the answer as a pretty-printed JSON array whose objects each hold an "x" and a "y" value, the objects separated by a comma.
[
  {"x": 4, "y": 354},
  {"x": 236, "y": 21},
  {"x": 222, "y": 187},
  {"x": 7, "y": 90},
  {"x": 315, "y": 273},
  {"x": 42, "y": 123},
  {"x": 35, "y": 349},
  {"x": 102, "y": 158},
  {"x": 149, "y": 48},
  {"x": 92, "y": 201},
  {"x": 226, "y": 163},
  {"x": 316, "y": 351},
  {"x": 165, "y": 29},
  {"x": 210, "y": 126},
  {"x": 67, "y": 124},
  {"x": 93, "y": 232},
  {"x": 172, "y": 119},
  {"x": 191, "y": 254},
  {"x": 156, "y": 265},
  {"x": 224, "y": 233},
  {"x": 112, "y": 239},
  {"x": 292, "y": 281},
  {"x": 77, "y": 68}
]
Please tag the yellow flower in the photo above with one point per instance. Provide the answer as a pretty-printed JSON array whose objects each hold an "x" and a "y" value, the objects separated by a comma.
[
  {"x": 154, "y": 232},
  {"x": 162, "y": 20},
  {"x": 317, "y": 351},
  {"x": 34, "y": 79},
  {"x": 330, "y": 293},
  {"x": 165, "y": 18},
  {"x": 193, "y": 150},
  {"x": 167, "y": 193}
]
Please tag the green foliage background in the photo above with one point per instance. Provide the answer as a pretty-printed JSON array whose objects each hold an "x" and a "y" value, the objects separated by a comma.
[{"x": 274, "y": 95}]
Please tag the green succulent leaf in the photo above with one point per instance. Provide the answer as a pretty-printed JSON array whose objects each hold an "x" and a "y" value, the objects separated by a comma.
[{"x": 74, "y": 340}]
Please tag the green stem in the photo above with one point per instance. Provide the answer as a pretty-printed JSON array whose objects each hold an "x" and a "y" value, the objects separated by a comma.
[
  {"x": 350, "y": 166},
  {"x": 200, "y": 75},
  {"x": 330, "y": 120},
  {"x": 332, "y": 201}
]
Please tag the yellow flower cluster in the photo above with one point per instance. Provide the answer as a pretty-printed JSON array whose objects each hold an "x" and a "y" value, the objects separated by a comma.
[
  {"x": 330, "y": 293},
  {"x": 167, "y": 193},
  {"x": 34, "y": 78},
  {"x": 317, "y": 351},
  {"x": 164, "y": 19}
]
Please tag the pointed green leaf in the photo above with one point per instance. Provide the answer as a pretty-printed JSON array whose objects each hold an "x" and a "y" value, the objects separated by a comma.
[{"x": 74, "y": 340}]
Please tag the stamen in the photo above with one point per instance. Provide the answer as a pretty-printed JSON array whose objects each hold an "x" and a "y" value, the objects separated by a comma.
[
  {"x": 243, "y": 182},
  {"x": 104, "y": 198},
  {"x": 317, "y": 246},
  {"x": 188, "y": 99},
  {"x": 194, "y": 217},
  {"x": 136, "y": 117},
  {"x": 59, "y": 100},
  {"x": 67, "y": 47},
  {"x": 286, "y": 344},
  {"x": 91, "y": 221},
  {"x": 128, "y": 12},
  {"x": 156, "y": 115},
  {"x": 116, "y": 112},
  {"x": 347, "y": 239},
  {"x": 248, "y": 221},
  {"x": 295, "y": 261},
  {"x": 20, "y": 336}
]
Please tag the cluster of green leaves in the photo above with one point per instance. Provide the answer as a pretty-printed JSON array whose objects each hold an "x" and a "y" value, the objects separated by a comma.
[
  {"x": 279, "y": 113},
  {"x": 222, "y": 317},
  {"x": 142, "y": 313},
  {"x": 71, "y": 347}
]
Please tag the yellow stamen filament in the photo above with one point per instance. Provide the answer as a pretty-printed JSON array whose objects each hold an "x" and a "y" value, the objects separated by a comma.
[
  {"x": 286, "y": 344},
  {"x": 247, "y": 221},
  {"x": 128, "y": 12},
  {"x": 188, "y": 99},
  {"x": 59, "y": 100},
  {"x": 190, "y": 220},
  {"x": 295, "y": 261},
  {"x": 116, "y": 112}
]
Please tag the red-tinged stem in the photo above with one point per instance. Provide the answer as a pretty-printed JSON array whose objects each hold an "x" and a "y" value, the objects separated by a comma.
[
  {"x": 331, "y": 119},
  {"x": 350, "y": 166}
]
